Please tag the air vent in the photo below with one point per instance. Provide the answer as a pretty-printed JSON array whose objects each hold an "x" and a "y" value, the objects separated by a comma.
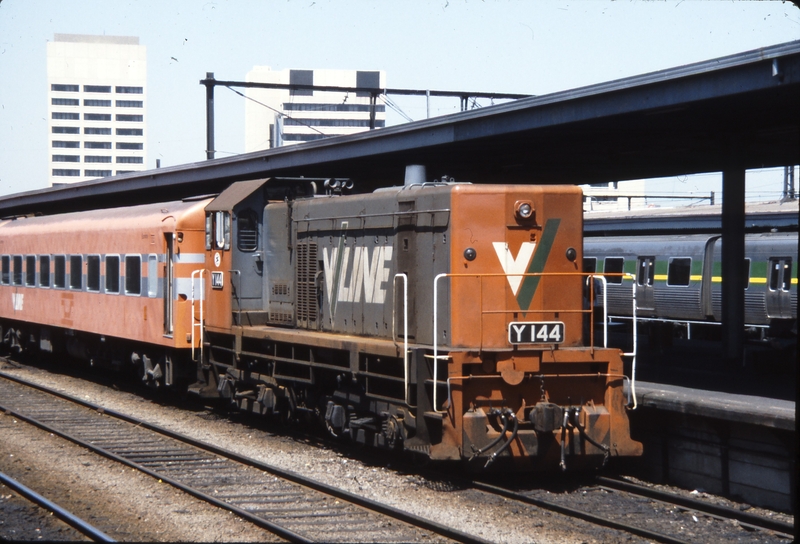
[
  {"x": 307, "y": 306},
  {"x": 280, "y": 289}
]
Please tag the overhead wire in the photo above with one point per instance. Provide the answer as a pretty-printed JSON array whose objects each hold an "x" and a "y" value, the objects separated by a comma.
[
  {"x": 299, "y": 121},
  {"x": 389, "y": 102}
]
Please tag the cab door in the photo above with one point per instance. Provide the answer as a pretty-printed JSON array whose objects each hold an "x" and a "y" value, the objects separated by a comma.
[{"x": 247, "y": 260}]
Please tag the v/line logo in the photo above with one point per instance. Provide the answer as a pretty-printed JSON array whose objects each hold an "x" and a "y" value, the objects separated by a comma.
[
  {"x": 369, "y": 270},
  {"x": 529, "y": 260}
]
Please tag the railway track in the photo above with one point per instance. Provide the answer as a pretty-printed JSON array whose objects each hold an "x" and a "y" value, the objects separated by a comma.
[
  {"x": 287, "y": 504},
  {"x": 82, "y": 526},
  {"x": 651, "y": 514}
]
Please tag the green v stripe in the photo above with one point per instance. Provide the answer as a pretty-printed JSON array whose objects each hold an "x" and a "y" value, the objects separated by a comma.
[{"x": 530, "y": 283}]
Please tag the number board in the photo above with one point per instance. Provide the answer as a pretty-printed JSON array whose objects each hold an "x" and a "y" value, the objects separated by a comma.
[
  {"x": 535, "y": 332},
  {"x": 216, "y": 280}
]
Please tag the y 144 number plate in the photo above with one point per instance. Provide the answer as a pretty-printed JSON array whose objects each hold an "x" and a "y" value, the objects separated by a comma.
[{"x": 535, "y": 332}]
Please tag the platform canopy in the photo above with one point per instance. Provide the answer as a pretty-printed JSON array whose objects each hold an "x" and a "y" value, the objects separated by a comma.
[{"x": 741, "y": 111}]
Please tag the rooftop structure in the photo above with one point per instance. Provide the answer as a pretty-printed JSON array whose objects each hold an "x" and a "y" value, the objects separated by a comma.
[{"x": 278, "y": 117}]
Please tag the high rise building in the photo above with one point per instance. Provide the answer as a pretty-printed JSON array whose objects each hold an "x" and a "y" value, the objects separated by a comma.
[
  {"x": 277, "y": 117},
  {"x": 97, "y": 101}
]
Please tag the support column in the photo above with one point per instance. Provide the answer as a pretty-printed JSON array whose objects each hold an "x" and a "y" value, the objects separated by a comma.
[
  {"x": 209, "y": 83},
  {"x": 732, "y": 262}
]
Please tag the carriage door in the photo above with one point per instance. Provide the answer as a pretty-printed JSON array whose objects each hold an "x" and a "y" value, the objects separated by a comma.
[
  {"x": 779, "y": 284},
  {"x": 645, "y": 274},
  {"x": 247, "y": 261},
  {"x": 168, "y": 280}
]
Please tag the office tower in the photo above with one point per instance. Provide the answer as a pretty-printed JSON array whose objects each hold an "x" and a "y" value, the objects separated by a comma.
[{"x": 97, "y": 98}]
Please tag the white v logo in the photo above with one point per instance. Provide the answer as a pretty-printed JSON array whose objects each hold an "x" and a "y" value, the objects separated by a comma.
[{"x": 514, "y": 266}]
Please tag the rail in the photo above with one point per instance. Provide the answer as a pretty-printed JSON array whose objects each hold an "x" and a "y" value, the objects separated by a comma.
[
  {"x": 607, "y": 196},
  {"x": 590, "y": 311},
  {"x": 164, "y": 456},
  {"x": 61, "y": 513}
]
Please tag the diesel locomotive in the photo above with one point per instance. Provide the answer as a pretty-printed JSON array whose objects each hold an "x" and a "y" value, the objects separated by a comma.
[{"x": 444, "y": 319}]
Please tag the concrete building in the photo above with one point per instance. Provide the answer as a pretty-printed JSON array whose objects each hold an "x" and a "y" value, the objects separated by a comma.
[
  {"x": 97, "y": 98},
  {"x": 277, "y": 117}
]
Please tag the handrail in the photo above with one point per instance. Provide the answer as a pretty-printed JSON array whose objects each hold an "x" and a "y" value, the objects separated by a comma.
[
  {"x": 540, "y": 376},
  {"x": 405, "y": 326},
  {"x": 199, "y": 273},
  {"x": 635, "y": 343},
  {"x": 590, "y": 279},
  {"x": 238, "y": 274}
]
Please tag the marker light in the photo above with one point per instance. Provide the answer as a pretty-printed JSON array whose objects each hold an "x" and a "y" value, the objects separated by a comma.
[{"x": 523, "y": 209}]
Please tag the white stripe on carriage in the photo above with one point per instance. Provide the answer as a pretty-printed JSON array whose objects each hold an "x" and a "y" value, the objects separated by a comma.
[{"x": 190, "y": 258}]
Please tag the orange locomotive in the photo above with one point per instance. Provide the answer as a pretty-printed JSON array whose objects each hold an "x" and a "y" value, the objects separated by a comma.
[{"x": 443, "y": 319}]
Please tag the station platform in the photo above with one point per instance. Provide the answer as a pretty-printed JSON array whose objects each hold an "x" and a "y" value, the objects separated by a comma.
[
  {"x": 734, "y": 445},
  {"x": 735, "y": 408}
]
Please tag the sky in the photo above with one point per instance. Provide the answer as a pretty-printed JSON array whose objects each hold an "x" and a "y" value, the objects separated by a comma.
[{"x": 515, "y": 46}]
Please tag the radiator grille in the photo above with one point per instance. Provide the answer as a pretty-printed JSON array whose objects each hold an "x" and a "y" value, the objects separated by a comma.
[{"x": 305, "y": 285}]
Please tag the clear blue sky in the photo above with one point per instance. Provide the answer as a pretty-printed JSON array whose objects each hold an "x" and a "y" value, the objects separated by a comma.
[{"x": 490, "y": 45}]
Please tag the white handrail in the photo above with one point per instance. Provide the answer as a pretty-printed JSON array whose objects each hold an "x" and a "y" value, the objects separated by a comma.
[
  {"x": 635, "y": 346},
  {"x": 602, "y": 279},
  {"x": 436, "y": 338},
  {"x": 405, "y": 326},
  {"x": 199, "y": 274}
]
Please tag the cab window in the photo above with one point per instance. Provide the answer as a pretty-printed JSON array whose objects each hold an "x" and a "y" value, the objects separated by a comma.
[
  {"x": 218, "y": 230},
  {"x": 247, "y": 231}
]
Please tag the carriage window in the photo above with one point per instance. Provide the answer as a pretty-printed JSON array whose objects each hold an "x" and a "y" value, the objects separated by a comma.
[
  {"x": 613, "y": 265},
  {"x": 76, "y": 272},
  {"x": 30, "y": 270},
  {"x": 679, "y": 271},
  {"x": 133, "y": 275},
  {"x": 247, "y": 231},
  {"x": 60, "y": 280},
  {"x": 780, "y": 274},
  {"x": 93, "y": 273},
  {"x": 44, "y": 271},
  {"x": 112, "y": 273},
  {"x": 17, "y": 269},
  {"x": 590, "y": 265},
  {"x": 6, "y": 277},
  {"x": 152, "y": 275}
]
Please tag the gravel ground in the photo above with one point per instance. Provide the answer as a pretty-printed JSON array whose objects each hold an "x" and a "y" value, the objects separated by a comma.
[
  {"x": 470, "y": 511},
  {"x": 121, "y": 502}
]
